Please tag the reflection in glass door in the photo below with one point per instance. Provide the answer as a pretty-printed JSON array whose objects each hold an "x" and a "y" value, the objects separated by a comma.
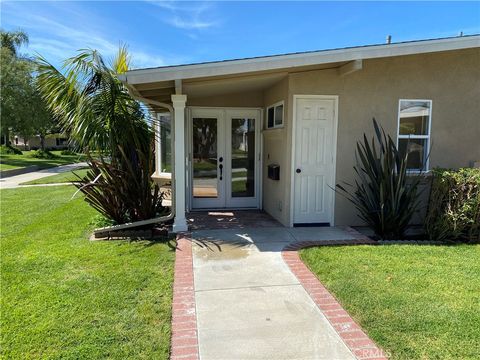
[
  {"x": 208, "y": 159},
  {"x": 243, "y": 158},
  {"x": 205, "y": 184}
]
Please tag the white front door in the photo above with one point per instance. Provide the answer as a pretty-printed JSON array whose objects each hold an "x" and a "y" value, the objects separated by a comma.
[
  {"x": 315, "y": 132},
  {"x": 225, "y": 158}
]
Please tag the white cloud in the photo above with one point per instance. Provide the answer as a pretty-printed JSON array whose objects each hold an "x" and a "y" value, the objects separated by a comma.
[
  {"x": 187, "y": 15},
  {"x": 169, "y": 5},
  {"x": 189, "y": 25}
]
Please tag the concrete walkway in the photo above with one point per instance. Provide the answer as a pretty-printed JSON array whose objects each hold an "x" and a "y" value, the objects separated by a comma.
[
  {"x": 249, "y": 304},
  {"x": 15, "y": 181}
]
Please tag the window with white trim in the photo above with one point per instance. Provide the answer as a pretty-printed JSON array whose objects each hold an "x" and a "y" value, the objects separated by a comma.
[
  {"x": 414, "y": 127},
  {"x": 164, "y": 143},
  {"x": 275, "y": 115}
]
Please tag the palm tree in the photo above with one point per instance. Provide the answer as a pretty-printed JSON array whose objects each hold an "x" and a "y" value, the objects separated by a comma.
[
  {"x": 12, "y": 40},
  {"x": 93, "y": 105}
]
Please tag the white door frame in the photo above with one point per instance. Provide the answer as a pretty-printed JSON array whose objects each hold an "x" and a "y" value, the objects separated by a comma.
[
  {"x": 334, "y": 151},
  {"x": 258, "y": 145}
]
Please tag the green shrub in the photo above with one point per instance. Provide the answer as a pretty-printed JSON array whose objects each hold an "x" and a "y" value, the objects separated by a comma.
[
  {"x": 42, "y": 154},
  {"x": 100, "y": 221},
  {"x": 454, "y": 205},
  {"x": 10, "y": 150},
  {"x": 68, "y": 152},
  {"x": 383, "y": 195}
]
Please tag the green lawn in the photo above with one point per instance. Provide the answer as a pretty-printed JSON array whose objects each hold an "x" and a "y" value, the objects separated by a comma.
[
  {"x": 58, "y": 178},
  {"x": 18, "y": 161},
  {"x": 66, "y": 297},
  {"x": 417, "y": 302}
]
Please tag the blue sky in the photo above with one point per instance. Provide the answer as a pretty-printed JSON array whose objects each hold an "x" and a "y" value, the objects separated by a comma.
[{"x": 166, "y": 32}]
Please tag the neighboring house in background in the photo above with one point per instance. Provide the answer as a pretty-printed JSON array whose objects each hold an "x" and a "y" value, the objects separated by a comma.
[
  {"x": 52, "y": 142},
  {"x": 278, "y": 132}
]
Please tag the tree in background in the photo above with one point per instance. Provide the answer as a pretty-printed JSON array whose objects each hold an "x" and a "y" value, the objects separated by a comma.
[
  {"x": 15, "y": 81},
  {"x": 42, "y": 120},
  {"x": 13, "y": 40},
  {"x": 23, "y": 110}
]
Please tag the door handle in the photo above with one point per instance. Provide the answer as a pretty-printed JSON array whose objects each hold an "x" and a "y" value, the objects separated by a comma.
[
  {"x": 221, "y": 171},
  {"x": 298, "y": 171}
]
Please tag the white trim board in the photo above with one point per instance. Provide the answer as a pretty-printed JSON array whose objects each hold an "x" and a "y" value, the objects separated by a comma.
[
  {"x": 334, "y": 150},
  {"x": 277, "y": 62}
]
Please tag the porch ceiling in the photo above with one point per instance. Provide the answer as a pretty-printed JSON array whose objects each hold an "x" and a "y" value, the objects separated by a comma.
[
  {"x": 199, "y": 88},
  {"x": 220, "y": 85}
]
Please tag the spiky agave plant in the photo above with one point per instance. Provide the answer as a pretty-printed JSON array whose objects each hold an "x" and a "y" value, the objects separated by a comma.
[
  {"x": 96, "y": 109},
  {"x": 384, "y": 196}
]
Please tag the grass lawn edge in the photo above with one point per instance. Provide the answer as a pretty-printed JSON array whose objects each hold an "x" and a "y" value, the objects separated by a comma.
[{"x": 408, "y": 303}]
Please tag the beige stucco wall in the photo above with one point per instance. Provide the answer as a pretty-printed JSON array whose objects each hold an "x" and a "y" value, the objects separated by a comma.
[
  {"x": 277, "y": 151},
  {"x": 450, "y": 79},
  {"x": 245, "y": 99}
]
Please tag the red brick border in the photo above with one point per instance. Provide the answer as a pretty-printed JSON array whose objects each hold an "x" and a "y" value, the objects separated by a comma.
[
  {"x": 348, "y": 330},
  {"x": 184, "y": 342}
]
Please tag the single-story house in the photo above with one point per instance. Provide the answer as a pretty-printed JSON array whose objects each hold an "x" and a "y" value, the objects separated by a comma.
[
  {"x": 278, "y": 132},
  {"x": 52, "y": 142}
]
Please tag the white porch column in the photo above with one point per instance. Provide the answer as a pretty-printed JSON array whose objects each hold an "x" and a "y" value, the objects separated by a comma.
[{"x": 180, "y": 222}]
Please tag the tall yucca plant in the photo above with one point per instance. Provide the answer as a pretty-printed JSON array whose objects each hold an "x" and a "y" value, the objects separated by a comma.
[{"x": 385, "y": 198}]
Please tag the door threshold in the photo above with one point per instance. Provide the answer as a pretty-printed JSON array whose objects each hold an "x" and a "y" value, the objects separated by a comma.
[
  {"x": 323, "y": 224},
  {"x": 225, "y": 209}
]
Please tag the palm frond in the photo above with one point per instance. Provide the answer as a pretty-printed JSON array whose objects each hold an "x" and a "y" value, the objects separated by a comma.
[{"x": 121, "y": 62}]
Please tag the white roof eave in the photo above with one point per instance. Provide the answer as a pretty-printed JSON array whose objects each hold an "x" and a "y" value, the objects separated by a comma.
[{"x": 232, "y": 67}]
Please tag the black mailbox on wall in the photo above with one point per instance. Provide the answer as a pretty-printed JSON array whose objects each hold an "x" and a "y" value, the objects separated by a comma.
[{"x": 274, "y": 171}]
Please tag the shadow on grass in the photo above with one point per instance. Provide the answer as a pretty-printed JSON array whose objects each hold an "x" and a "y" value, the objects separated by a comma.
[
  {"x": 143, "y": 244},
  {"x": 25, "y": 160}
]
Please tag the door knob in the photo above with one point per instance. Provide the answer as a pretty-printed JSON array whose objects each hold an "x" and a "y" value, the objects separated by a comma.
[
  {"x": 298, "y": 171},
  {"x": 220, "y": 159},
  {"x": 221, "y": 171}
]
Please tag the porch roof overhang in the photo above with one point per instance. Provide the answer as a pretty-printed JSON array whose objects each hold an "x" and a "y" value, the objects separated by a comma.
[{"x": 205, "y": 79}]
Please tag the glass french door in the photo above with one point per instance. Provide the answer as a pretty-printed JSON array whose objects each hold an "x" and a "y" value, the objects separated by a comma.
[
  {"x": 225, "y": 158},
  {"x": 208, "y": 158}
]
